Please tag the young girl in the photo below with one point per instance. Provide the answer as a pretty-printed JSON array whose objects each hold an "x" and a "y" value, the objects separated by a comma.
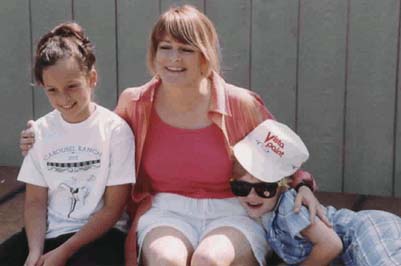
[
  {"x": 273, "y": 151},
  {"x": 79, "y": 172}
]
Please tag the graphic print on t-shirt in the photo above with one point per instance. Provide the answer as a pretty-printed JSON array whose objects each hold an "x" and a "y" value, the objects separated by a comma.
[
  {"x": 73, "y": 166},
  {"x": 76, "y": 190}
]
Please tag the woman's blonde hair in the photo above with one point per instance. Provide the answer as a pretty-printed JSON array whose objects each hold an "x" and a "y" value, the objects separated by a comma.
[{"x": 187, "y": 25}]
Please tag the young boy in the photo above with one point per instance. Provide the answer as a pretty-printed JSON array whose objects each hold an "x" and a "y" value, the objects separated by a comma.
[{"x": 265, "y": 157}]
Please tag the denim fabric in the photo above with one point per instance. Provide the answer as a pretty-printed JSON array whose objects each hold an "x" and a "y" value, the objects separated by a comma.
[{"x": 370, "y": 238}]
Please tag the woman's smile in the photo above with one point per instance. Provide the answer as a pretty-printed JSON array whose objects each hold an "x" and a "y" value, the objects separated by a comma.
[{"x": 176, "y": 69}]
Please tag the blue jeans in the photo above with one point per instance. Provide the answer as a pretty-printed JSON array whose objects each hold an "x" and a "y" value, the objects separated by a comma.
[{"x": 374, "y": 239}]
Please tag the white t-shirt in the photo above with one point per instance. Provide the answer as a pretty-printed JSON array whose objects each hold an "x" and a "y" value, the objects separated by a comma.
[{"x": 76, "y": 162}]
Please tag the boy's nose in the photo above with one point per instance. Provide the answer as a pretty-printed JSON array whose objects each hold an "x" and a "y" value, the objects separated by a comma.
[{"x": 252, "y": 193}]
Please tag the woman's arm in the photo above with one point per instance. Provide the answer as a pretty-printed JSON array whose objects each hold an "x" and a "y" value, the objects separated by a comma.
[
  {"x": 27, "y": 138},
  {"x": 115, "y": 199},
  {"x": 326, "y": 243},
  {"x": 35, "y": 211},
  {"x": 306, "y": 197}
]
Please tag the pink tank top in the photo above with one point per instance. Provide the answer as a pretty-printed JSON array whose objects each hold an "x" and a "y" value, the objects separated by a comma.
[{"x": 189, "y": 162}]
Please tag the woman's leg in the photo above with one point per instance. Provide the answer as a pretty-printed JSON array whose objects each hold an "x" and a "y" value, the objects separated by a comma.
[
  {"x": 224, "y": 246},
  {"x": 169, "y": 231},
  {"x": 230, "y": 237},
  {"x": 165, "y": 246}
]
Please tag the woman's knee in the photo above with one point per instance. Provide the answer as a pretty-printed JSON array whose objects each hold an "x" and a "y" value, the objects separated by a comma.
[
  {"x": 224, "y": 246},
  {"x": 208, "y": 257},
  {"x": 166, "y": 246}
]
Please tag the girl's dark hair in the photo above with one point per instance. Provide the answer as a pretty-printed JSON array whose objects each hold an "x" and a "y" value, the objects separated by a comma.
[{"x": 65, "y": 40}]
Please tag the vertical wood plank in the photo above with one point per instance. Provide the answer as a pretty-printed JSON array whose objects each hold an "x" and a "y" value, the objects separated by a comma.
[
  {"x": 16, "y": 92},
  {"x": 165, "y": 4},
  {"x": 98, "y": 19},
  {"x": 370, "y": 96},
  {"x": 274, "y": 55},
  {"x": 232, "y": 22},
  {"x": 135, "y": 19},
  {"x": 397, "y": 157},
  {"x": 321, "y": 86},
  {"x": 46, "y": 14}
]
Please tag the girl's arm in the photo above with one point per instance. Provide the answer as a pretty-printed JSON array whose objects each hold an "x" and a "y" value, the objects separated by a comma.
[
  {"x": 326, "y": 243},
  {"x": 115, "y": 198},
  {"x": 35, "y": 211}
]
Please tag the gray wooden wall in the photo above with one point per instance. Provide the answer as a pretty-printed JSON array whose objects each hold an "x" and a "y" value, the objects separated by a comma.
[{"x": 330, "y": 69}]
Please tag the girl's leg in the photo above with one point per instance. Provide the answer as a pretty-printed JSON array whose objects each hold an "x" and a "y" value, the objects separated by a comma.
[
  {"x": 224, "y": 246},
  {"x": 105, "y": 251},
  {"x": 14, "y": 251},
  {"x": 165, "y": 246}
]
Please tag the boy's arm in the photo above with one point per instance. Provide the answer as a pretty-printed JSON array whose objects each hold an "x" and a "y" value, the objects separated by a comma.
[
  {"x": 35, "y": 211},
  {"x": 115, "y": 198},
  {"x": 326, "y": 243}
]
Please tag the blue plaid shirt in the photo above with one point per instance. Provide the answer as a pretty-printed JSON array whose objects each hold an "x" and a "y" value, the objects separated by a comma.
[{"x": 370, "y": 238}]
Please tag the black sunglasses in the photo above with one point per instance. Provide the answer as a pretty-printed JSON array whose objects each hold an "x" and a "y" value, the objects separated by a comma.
[{"x": 243, "y": 188}]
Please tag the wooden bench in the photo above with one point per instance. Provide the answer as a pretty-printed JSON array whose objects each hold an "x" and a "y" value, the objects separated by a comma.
[
  {"x": 11, "y": 202},
  {"x": 12, "y": 195}
]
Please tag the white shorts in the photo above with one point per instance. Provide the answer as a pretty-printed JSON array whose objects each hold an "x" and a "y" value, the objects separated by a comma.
[{"x": 195, "y": 218}]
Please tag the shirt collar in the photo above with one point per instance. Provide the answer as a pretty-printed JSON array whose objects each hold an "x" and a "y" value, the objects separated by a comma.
[
  {"x": 218, "y": 101},
  {"x": 148, "y": 93}
]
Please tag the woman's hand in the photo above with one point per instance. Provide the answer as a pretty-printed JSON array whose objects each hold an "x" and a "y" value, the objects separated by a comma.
[
  {"x": 306, "y": 197},
  {"x": 27, "y": 138}
]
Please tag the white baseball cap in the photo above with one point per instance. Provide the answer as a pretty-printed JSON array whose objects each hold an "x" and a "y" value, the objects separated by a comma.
[{"x": 271, "y": 151}]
